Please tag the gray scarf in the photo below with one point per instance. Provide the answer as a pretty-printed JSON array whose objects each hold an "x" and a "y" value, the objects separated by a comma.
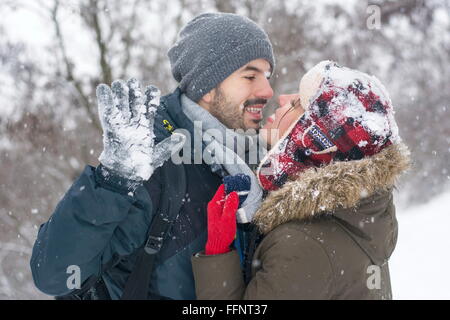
[{"x": 224, "y": 156}]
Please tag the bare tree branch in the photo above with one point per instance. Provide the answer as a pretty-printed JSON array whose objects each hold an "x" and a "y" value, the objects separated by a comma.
[
  {"x": 83, "y": 98},
  {"x": 128, "y": 40},
  {"x": 225, "y": 6},
  {"x": 93, "y": 21}
]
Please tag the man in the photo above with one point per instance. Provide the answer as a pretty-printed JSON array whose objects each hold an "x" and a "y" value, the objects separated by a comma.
[{"x": 222, "y": 63}]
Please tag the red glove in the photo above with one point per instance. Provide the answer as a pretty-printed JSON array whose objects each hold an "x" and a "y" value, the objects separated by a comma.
[{"x": 221, "y": 221}]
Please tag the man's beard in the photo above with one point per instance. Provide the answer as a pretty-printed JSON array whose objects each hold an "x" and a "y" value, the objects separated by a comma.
[{"x": 231, "y": 115}]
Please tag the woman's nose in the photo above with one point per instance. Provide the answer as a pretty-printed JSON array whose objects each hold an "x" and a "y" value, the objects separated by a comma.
[{"x": 284, "y": 99}]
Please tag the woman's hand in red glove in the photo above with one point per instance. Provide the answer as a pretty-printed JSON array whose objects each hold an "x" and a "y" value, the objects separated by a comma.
[{"x": 221, "y": 221}]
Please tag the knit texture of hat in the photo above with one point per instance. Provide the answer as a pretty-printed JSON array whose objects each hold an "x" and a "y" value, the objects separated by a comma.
[{"x": 211, "y": 47}]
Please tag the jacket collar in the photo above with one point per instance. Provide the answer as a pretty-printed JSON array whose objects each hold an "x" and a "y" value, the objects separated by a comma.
[
  {"x": 333, "y": 189},
  {"x": 170, "y": 116}
]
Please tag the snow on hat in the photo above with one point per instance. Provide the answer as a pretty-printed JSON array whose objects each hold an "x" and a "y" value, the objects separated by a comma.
[{"x": 348, "y": 116}]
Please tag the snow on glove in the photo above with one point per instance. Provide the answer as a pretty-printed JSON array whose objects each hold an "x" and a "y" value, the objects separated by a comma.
[
  {"x": 127, "y": 117},
  {"x": 221, "y": 221}
]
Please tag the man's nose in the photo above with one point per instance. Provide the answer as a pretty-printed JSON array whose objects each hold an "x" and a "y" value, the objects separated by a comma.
[
  {"x": 284, "y": 99},
  {"x": 264, "y": 90}
]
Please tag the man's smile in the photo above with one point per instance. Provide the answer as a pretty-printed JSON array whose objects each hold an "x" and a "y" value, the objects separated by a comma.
[
  {"x": 255, "y": 111},
  {"x": 254, "y": 108}
]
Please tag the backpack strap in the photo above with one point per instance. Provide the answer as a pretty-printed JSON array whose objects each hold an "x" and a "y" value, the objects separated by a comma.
[{"x": 172, "y": 195}]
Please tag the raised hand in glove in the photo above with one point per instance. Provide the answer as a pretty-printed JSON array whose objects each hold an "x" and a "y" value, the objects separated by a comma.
[
  {"x": 221, "y": 221},
  {"x": 127, "y": 117}
]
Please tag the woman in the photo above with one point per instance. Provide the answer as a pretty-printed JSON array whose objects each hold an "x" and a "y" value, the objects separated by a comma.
[{"x": 328, "y": 224}]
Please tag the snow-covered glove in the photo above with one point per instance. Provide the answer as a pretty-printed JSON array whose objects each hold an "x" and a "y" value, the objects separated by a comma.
[
  {"x": 127, "y": 117},
  {"x": 221, "y": 221}
]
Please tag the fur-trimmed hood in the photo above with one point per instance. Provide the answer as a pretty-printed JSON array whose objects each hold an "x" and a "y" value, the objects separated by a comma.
[{"x": 331, "y": 188}]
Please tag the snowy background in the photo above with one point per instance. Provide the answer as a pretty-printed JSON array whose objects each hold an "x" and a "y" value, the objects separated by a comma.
[{"x": 54, "y": 53}]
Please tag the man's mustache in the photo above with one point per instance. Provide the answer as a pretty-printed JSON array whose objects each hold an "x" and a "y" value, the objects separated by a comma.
[{"x": 252, "y": 102}]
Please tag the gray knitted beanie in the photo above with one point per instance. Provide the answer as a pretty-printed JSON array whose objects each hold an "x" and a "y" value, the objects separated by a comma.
[{"x": 211, "y": 47}]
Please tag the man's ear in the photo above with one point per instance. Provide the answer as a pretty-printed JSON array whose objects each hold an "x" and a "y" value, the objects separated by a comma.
[{"x": 207, "y": 99}]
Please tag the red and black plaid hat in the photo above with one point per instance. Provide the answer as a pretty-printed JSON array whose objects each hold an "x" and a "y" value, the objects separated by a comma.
[{"x": 348, "y": 117}]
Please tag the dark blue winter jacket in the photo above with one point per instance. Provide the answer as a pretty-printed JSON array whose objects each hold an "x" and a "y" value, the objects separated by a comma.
[{"x": 98, "y": 222}]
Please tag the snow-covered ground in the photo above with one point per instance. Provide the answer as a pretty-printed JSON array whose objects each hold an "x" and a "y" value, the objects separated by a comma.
[{"x": 420, "y": 265}]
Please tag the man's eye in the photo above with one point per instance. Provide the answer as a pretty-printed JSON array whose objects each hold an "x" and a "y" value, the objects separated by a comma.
[{"x": 250, "y": 78}]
